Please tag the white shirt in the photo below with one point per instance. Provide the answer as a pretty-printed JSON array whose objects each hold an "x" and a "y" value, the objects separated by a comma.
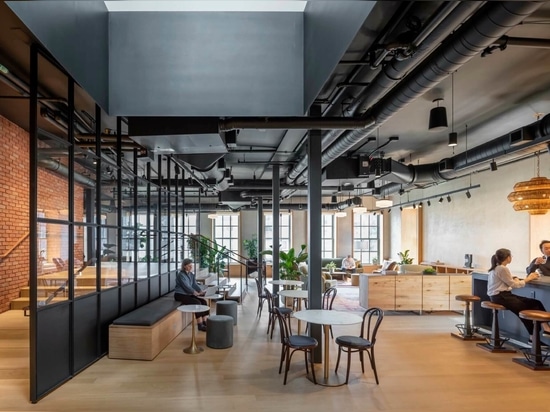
[
  {"x": 501, "y": 280},
  {"x": 348, "y": 263}
]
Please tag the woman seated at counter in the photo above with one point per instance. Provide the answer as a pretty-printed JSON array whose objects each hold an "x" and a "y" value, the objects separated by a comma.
[{"x": 501, "y": 282}]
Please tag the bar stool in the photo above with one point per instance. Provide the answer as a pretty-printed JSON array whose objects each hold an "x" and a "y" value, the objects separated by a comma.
[
  {"x": 535, "y": 359},
  {"x": 495, "y": 343},
  {"x": 466, "y": 330}
]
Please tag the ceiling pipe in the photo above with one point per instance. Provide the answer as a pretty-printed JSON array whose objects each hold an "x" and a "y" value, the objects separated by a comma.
[
  {"x": 58, "y": 167},
  {"x": 475, "y": 159},
  {"x": 393, "y": 72},
  {"x": 318, "y": 123}
]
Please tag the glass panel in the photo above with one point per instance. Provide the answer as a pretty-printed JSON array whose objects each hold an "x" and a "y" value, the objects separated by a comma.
[
  {"x": 53, "y": 264},
  {"x": 85, "y": 267},
  {"x": 84, "y": 185},
  {"x": 53, "y": 184}
]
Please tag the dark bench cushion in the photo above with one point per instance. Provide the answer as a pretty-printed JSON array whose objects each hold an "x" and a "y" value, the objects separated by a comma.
[{"x": 149, "y": 314}]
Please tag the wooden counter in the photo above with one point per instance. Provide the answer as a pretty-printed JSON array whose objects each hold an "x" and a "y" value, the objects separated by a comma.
[{"x": 413, "y": 292}]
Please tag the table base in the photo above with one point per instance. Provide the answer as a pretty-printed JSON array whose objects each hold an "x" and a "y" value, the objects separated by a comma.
[
  {"x": 333, "y": 380},
  {"x": 193, "y": 349}
]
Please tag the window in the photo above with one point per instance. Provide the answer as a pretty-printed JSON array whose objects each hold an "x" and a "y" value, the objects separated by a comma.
[
  {"x": 327, "y": 235},
  {"x": 284, "y": 231},
  {"x": 226, "y": 231},
  {"x": 366, "y": 237},
  {"x": 189, "y": 227}
]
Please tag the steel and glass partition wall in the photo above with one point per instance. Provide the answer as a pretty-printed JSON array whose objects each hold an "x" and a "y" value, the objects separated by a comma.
[{"x": 108, "y": 228}]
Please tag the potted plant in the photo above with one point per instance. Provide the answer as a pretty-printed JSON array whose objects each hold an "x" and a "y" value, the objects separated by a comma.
[
  {"x": 214, "y": 258},
  {"x": 250, "y": 247},
  {"x": 330, "y": 266},
  {"x": 289, "y": 261},
  {"x": 405, "y": 258}
]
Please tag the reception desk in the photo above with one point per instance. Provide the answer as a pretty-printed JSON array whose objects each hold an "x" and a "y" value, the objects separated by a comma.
[
  {"x": 414, "y": 292},
  {"x": 510, "y": 325}
]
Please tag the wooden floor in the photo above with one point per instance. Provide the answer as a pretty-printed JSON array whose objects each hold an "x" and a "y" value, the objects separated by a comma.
[{"x": 421, "y": 368}]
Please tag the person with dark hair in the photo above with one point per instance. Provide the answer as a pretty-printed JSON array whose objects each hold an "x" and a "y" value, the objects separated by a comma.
[
  {"x": 188, "y": 291},
  {"x": 501, "y": 282},
  {"x": 541, "y": 264}
]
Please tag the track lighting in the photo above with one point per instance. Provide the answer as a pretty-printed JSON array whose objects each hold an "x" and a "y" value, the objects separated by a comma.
[
  {"x": 420, "y": 204},
  {"x": 448, "y": 198},
  {"x": 401, "y": 208},
  {"x": 440, "y": 200},
  {"x": 414, "y": 205},
  {"x": 493, "y": 166},
  {"x": 429, "y": 203},
  {"x": 389, "y": 210},
  {"x": 468, "y": 194}
]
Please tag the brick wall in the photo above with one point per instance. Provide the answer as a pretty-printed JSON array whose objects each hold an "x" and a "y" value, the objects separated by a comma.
[{"x": 14, "y": 210}]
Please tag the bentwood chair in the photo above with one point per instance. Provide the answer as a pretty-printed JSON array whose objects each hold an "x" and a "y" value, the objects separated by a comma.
[
  {"x": 286, "y": 312},
  {"x": 292, "y": 343},
  {"x": 261, "y": 297},
  {"x": 372, "y": 319},
  {"x": 328, "y": 300}
]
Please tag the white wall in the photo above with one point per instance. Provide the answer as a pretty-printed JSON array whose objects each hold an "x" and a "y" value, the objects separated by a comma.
[{"x": 482, "y": 224}]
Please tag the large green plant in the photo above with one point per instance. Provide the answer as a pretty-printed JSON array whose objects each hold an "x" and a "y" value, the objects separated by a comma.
[
  {"x": 250, "y": 246},
  {"x": 214, "y": 257},
  {"x": 289, "y": 261},
  {"x": 198, "y": 245}
]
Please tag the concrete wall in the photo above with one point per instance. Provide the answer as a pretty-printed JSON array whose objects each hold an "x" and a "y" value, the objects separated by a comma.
[{"x": 482, "y": 224}]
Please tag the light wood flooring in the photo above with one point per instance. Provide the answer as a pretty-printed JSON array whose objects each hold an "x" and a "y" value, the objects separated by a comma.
[{"x": 421, "y": 368}]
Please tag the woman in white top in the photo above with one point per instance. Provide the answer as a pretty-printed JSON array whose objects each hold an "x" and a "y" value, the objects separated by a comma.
[{"x": 500, "y": 284}]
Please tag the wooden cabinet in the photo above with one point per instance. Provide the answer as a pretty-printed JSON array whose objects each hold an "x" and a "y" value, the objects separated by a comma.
[
  {"x": 413, "y": 292},
  {"x": 377, "y": 291},
  {"x": 408, "y": 292},
  {"x": 435, "y": 292},
  {"x": 459, "y": 285}
]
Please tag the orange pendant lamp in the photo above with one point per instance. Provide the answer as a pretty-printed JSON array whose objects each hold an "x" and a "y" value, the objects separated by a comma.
[{"x": 532, "y": 196}]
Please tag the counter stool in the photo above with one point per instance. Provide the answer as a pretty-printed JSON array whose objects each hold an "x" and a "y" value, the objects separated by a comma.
[
  {"x": 535, "y": 358},
  {"x": 495, "y": 343},
  {"x": 219, "y": 331},
  {"x": 466, "y": 330},
  {"x": 227, "y": 307}
]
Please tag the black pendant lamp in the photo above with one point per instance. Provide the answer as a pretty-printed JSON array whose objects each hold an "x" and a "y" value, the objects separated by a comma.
[{"x": 438, "y": 117}]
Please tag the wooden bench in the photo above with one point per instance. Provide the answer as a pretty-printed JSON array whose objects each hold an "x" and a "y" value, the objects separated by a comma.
[{"x": 143, "y": 333}]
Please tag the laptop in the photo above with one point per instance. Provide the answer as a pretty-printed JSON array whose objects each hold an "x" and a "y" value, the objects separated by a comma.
[{"x": 210, "y": 290}]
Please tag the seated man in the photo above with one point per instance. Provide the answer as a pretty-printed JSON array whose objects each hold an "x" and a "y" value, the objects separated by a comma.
[
  {"x": 541, "y": 264},
  {"x": 348, "y": 264}
]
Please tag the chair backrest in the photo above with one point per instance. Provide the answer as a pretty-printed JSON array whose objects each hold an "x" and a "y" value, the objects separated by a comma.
[
  {"x": 258, "y": 286},
  {"x": 372, "y": 319},
  {"x": 269, "y": 298},
  {"x": 328, "y": 298},
  {"x": 283, "y": 325}
]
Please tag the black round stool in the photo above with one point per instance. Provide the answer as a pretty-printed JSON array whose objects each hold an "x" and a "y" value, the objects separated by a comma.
[
  {"x": 535, "y": 358},
  {"x": 466, "y": 330},
  {"x": 495, "y": 343}
]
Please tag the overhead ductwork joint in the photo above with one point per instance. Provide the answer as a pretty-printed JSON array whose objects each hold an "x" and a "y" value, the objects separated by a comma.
[{"x": 309, "y": 123}]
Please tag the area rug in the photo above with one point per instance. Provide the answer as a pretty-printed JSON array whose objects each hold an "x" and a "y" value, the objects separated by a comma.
[{"x": 347, "y": 299}]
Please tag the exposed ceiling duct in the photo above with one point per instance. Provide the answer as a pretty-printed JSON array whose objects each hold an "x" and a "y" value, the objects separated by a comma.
[
  {"x": 477, "y": 157},
  {"x": 393, "y": 72},
  {"x": 60, "y": 168},
  {"x": 491, "y": 22}
]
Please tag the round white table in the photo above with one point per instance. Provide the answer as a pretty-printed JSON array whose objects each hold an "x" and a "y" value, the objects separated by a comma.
[
  {"x": 210, "y": 298},
  {"x": 296, "y": 294},
  {"x": 193, "y": 348},
  {"x": 327, "y": 318},
  {"x": 285, "y": 282}
]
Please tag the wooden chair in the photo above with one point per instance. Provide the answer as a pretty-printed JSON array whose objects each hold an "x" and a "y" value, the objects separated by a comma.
[
  {"x": 372, "y": 319},
  {"x": 292, "y": 343},
  {"x": 286, "y": 312},
  {"x": 261, "y": 297}
]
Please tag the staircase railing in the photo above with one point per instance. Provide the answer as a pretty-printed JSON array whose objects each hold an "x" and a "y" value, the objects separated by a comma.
[{"x": 5, "y": 255}]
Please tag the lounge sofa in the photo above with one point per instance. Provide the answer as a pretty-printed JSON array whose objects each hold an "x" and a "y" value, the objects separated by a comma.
[{"x": 338, "y": 262}]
